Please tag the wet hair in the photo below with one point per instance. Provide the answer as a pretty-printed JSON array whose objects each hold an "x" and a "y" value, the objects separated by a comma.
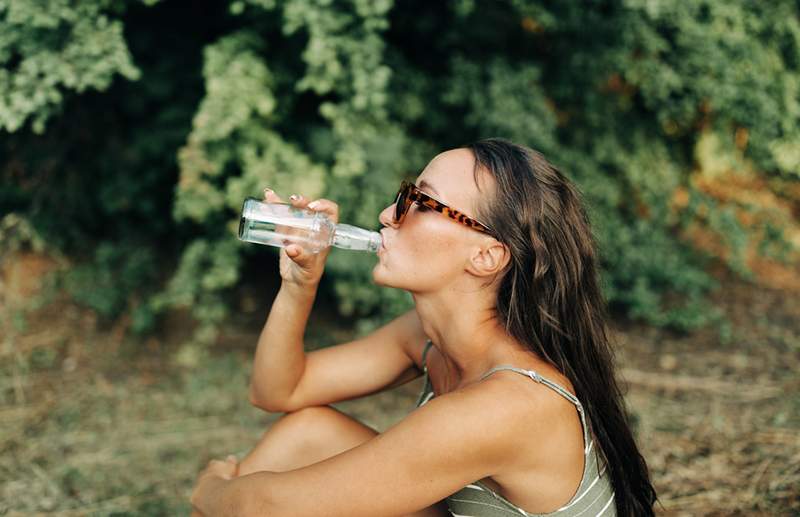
[{"x": 549, "y": 299}]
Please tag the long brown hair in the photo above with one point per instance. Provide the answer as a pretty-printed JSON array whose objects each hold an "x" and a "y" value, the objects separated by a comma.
[{"x": 549, "y": 298}]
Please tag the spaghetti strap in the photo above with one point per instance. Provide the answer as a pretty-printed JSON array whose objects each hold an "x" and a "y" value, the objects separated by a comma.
[
  {"x": 538, "y": 378},
  {"x": 534, "y": 376},
  {"x": 424, "y": 355}
]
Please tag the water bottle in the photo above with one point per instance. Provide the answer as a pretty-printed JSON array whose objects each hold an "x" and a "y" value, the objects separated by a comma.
[{"x": 281, "y": 224}]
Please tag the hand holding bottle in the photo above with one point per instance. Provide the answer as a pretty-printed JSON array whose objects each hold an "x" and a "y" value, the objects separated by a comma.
[{"x": 297, "y": 265}]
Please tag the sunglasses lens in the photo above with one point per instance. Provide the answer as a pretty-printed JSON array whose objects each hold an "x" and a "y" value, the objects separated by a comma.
[{"x": 401, "y": 205}]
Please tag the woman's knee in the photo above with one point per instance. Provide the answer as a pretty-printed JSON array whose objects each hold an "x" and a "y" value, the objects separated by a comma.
[
  {"x": 307, "y": 417},
  {"x": 306, "y": 436},
  {"x": 326, "y": 427}
]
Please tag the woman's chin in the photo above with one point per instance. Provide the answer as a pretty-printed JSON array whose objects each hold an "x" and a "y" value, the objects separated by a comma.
[
  {"x": 379, "y": 275},
  {"x": 376, "y": 274}
]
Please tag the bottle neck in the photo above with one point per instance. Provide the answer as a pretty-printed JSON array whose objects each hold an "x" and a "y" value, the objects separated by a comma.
[{"x": 352, "y": 237}]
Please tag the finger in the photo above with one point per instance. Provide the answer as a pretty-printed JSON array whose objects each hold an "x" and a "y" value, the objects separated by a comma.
[
  {"x": 271, "y": 197},
  {"x": 326, "y": 206},
  {"x": 220, "y": 468},
  {"x": 293, "y": 251},
  {"x": 298, "y": 200},
  {"x": 300, "y": 255}
]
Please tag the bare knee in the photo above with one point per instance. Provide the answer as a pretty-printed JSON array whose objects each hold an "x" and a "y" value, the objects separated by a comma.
[
  {"x": 323, "y": 426},
  {"x": 305, "y": 418},
  {"x": 305, "y": 436}
]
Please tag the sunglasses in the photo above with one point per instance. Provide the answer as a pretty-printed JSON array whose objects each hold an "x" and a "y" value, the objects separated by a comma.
[{"x": 409, "y": 193}]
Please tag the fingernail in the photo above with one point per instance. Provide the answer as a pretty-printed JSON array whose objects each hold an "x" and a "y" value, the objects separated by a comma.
[
  {"x": 268, "y": 191},
  {"x": 294, "y": 197},
  {"x": 313, "y": 205}
]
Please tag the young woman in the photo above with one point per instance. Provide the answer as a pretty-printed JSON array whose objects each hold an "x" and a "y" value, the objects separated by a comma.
[{"x": 520, "y": 414}]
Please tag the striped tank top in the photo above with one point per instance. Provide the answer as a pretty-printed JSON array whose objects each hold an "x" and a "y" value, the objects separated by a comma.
[{"x": 595, "y": 496}]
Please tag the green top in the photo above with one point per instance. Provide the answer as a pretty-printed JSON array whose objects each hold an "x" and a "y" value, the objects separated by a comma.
[{"x": 594, "y": 496}]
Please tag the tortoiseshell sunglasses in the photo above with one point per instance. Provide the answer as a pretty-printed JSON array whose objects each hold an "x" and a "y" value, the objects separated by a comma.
[{"x": 409, "y": 193}]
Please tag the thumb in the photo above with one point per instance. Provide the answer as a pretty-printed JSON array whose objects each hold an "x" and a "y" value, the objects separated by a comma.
[{"x": 293, "y": 250}]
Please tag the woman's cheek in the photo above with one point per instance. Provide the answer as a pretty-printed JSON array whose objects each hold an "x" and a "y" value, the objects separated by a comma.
[
  {"x": 422, "y": 255},
  {"x": 436, "y": 257}
]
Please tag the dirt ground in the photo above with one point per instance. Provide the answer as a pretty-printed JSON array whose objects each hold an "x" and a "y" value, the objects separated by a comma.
[{"x": 93, "y": 423}]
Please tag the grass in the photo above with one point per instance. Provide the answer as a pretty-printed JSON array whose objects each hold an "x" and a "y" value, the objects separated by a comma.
[{"x": 94, "y": 424}]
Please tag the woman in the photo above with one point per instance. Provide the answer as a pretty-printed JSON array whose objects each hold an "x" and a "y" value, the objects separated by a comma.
[{"x": 521, "y": 413}]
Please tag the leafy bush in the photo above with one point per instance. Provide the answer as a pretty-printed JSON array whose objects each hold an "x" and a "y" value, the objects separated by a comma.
[{"x": 649, "y": 106}]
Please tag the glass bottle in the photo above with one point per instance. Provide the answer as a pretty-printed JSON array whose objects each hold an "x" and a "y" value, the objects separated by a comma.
[{"x": 281, "y": 224}]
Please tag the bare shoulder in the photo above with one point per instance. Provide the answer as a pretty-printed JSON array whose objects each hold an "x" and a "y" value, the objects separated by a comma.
[
  {"x": 494, "y": 408},
  {"x": 528, "y": 409},
  {"x": 474, "y": 420},
  {"x": 532, "y": 404}
]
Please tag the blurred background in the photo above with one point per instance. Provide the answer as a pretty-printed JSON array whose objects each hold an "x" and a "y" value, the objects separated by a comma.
[{"x": 131, "y": 132}]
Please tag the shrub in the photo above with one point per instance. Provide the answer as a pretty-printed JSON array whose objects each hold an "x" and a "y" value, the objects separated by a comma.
[{"x": 651, "y": 107}]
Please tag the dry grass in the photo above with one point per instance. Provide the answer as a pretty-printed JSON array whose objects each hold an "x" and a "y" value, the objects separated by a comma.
[
  {"x": 719, "y": 423},
  {"x": 94, "y": 425}
]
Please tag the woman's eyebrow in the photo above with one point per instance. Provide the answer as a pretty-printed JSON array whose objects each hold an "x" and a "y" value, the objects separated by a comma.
[{"x": 425, "y": 184}]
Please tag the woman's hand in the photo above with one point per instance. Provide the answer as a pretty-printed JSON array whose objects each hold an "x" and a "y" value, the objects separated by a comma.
[
  {"x": 297, "y": 266},
  {"x": 209, "y": 482}
]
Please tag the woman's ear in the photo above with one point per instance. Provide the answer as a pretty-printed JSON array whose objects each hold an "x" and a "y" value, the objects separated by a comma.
[{"x": 489, "y": 258}]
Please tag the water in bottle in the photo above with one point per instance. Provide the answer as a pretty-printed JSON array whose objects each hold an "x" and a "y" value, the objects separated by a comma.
[{"x": 281, "y": 224}]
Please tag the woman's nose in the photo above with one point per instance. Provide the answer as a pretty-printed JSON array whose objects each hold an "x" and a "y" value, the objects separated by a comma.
[{"x": 386, "y": 217}]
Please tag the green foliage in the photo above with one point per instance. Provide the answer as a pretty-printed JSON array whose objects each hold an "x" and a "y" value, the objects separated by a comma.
[
  {"x": 47, "y": 49},
  {"x": 98, "y": 184},
  {"x": 114, "y": 274},
  {"x": 632, "y": 99},
  {"x": 240, "y": 139},
  {"x": 206, "y": 269},
  {"x": 734, "y": 63}
]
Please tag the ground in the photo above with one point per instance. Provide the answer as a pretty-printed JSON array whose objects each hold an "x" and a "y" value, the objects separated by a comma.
[{"x": 94, "y": 423}]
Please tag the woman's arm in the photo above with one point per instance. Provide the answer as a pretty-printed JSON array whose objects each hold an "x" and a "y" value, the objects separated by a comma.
[
  {"x": 285, "y": 378},
  {"x": 439, "y": 448},
  {"x": 280, "y": 359}
]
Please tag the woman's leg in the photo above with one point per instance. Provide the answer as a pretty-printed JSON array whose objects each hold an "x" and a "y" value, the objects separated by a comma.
[
  {"x": 310, "y": 435},
  {"x": 304, "y": 437}
]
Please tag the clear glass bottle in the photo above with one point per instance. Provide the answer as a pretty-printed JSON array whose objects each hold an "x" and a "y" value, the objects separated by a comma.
[{"x": 281, "y": 224}]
